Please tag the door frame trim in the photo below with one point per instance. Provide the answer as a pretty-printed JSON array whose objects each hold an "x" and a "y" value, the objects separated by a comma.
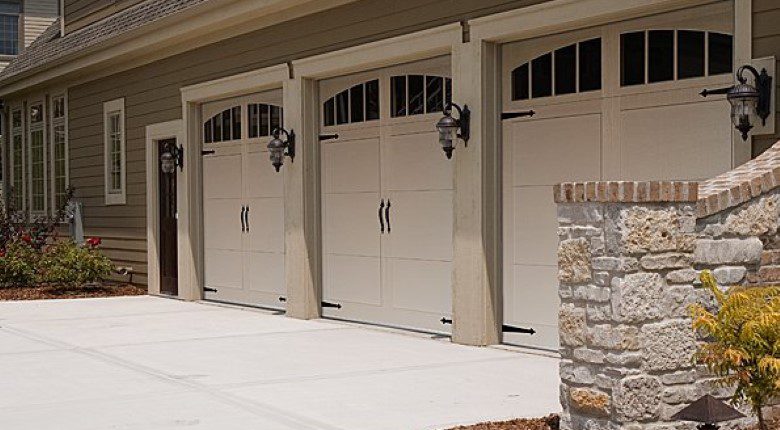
[{"x": 154, "y": 134}]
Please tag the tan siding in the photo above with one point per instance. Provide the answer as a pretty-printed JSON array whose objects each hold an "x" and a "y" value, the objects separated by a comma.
[
  {"x": 766, "y": 43},
  {"x": 38, "y": 16},
  {"x": 152, "y": 92},
  {"x": 80, "y": 13}
]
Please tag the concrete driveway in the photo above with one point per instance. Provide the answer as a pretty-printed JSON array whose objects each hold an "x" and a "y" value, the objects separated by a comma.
[{"x": 152, "y": 363}]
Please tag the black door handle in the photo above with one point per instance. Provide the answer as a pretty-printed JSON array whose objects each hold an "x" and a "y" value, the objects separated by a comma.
[
  {"x": 243, "y": 225},
  {"x": 246, "y": 217},
  {"x": 387, "y": 215},
  {"x": 381, "y": 220}
]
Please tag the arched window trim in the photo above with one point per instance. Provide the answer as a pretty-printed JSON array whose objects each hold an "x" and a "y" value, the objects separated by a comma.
[
  {"x": 357, "y": 104},
  {"x": 224, "y": 126}
]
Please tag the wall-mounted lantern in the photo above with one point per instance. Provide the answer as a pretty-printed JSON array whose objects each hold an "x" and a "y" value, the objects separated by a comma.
[
  {"x": 749, "y": 102},
  {"x": 171, "y": 158},
  {"x": 708, "y": 411},
  {"x": 448, "y": 128},
  {"x": 280, "y": 148}
]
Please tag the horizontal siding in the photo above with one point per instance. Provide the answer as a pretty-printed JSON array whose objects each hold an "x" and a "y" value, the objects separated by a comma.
[
  {"x": 766, "y": 43},
  {"x": 38, "y": 16},
  {"x": 80, "y": 13}
]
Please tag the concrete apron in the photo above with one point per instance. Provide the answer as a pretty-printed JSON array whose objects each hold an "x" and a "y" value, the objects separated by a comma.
[{"x": 154, "y": 363}]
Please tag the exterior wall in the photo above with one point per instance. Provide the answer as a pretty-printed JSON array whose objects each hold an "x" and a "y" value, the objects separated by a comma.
[
  {"x": 766, "y": 43},
  {"x": 152, "y": 96},
  {"x": 38, "y": 16},
  {"x": 80, "y": 13},
  {"x": 629, "y": 259}
]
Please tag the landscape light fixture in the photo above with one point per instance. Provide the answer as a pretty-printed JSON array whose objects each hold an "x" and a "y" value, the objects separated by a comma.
[
  {"x": 708, "y": 411},
  {"x": 172, "y": 157},
  {"x": 280, "y": 148},
  {"x": 750, "y": 102},
  {"x": 448, "y": 128}
]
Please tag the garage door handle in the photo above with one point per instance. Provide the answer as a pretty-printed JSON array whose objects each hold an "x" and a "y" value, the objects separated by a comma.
[
  {"x": 381, "y": 220},
  {"x": 387, "y": 215},
  {"x": 246, "y": 218},
  {"x": 243, "y": 225}
]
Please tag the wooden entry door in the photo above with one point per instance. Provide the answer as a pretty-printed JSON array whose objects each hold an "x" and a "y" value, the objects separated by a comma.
[{"x": 169, "y": 268}]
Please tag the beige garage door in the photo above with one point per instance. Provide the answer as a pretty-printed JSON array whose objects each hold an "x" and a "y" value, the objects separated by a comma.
[
  {"x": 614, "y": 102},
  {"x": 243, "y": 202},
  {"x": 387, "y": 197}
]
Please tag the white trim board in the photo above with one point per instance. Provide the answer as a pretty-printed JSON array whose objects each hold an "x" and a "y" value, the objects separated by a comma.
[{"x": 155, "y": 133}]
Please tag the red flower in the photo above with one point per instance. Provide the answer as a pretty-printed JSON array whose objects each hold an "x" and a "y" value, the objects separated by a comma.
[
  {"x": 94, "y": 242},
  {"x": 27, "y": 238}
]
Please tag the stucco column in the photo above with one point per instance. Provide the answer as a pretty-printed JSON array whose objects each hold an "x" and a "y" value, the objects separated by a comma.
[
  {"x": 476, "y": 296},
  {"x": 302, "y": 201}
]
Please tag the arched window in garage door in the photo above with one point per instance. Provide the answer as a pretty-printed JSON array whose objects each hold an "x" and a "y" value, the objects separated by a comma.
[
  {"x": 419, "y": 94},
  {"x": 652, "y": 56},
  {"x": 223, "y": 127},
  {"x": 570, "y": 69},
  {"x": 357, "y": 104},
  {"x": 263, "y": 119}
]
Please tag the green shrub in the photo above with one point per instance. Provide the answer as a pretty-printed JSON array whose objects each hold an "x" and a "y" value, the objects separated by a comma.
[
  {"x": 67, "y": 263},
  {"x": 18, "y": 264}
]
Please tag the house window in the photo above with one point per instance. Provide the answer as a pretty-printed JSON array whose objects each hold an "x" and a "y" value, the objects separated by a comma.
[
  {"x": 263, "y": 119},
  {"x": 648, "y": 57},
  {"x": 223, "y": 127},
  {"x": 419, "y": 94},
  {"x": 354, "y": 105},
  {"x": 115, "y": 152},
  {"x": 37, "y": 159},
  {"x": 9, "y": 26},
  {"x": 17, "y": 160},
  {"x": 59, "y": 151},
  {"x": 574, "y": 68}
]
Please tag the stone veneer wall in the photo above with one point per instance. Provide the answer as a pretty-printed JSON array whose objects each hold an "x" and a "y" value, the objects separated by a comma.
[{"x": 629, "y": 258}]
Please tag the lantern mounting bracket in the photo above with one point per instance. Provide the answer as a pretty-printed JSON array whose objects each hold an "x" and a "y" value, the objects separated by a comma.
[
  {"x": 763, "y": 83},
  {"x": 464, "y": 120}
]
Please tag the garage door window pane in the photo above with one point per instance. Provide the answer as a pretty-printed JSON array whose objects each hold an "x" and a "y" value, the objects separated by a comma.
[
  {"x": 254, "y": 121},
  {"x": 265, "y": 120},
  {"x": 434, "y": 93},
  {"x": 448, "y": 90},
  {"x": 236, "y": 121},
  {"x": 690, "y": 54},
  {"x": 372, "y": 100},
  {"x": 416, "y": 94},
  {"x": 632, "y": 58},
  {"x": 342, "y": 107},
  {"x": 661, "y": 56},
  {"x": 520, "y": 84},
  {"x": 226, "y": 125},
  {"x": 590, "y": 65},
  {"x": 329, "y": 112},
  {"x": 566, "y": 70},
  {"x": 398, "y": 89},
  {"x": 218, "y": 128},
  {"x": 541, "y": 76},
  {"x": 207, "y": 132},
  {"x": 721, "y": 53},
  {"x": 276, "y": 118},
  {"x": 356, "y": 103}
]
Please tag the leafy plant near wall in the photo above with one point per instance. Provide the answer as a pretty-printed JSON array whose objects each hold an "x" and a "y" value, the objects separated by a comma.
[
  {"x": 66, "y": 263},
  {"x": 18, "y": 225},
  {"x": 742, "y": 342}
]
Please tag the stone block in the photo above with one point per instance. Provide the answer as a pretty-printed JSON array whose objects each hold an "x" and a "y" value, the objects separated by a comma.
[
  {"x": 622, "y": 337},
  {"x": 668, "y": 346},
  {"x": 758, "y": 218},
  {"x": 625, "y": 359},
  {"x": 616, "y": 264},
  {"x": 680, "y": 377},
  {"x": 574, "y": 374},
  {"x": 682, "y": 276},
  {"x": 574, "y": 261},
  {"x": 572, "y": 325},
  {"x": 589, "y": 355},
  {"x": 681, "y": 394},
  {"x": 598, "y": 313},
  {"x": 677, "y": 299},
  {"x": 580, "y": 214},
  {"x": 770, "y": 257},
  {"x": 590, "y": 402},
  {"x": 592, "y": 293},
  {"x": 637, "y": 398},
  {"x": 729, "y": 275},
  {"x": 670, "y": 260},
  {"x": 769, "y": 274},
  {"x": 728, "y": 251},
  {"x": 647, "y": 230},
  {"x": 638, "y": 297}
]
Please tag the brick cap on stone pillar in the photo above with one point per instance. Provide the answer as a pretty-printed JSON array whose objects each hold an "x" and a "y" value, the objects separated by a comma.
[{"x": 733, "y": 188}]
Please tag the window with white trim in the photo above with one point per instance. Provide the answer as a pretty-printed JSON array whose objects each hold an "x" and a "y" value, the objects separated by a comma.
[
  {"x": 17, "y": 159},
  {"x": 10, "y": 11},
  {"x": 59, "y": 151},
  {"x": 36, "y": 168},
  {"x": 115, "y": 152}
]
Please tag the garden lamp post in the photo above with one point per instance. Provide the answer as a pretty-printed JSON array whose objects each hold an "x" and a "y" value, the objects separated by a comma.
[{"x": 708, "y": 411}]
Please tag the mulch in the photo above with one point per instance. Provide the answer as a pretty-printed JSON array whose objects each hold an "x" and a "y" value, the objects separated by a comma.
[
  {"x": 44, "y": 292},
  {"x": 548, "y": 423}
]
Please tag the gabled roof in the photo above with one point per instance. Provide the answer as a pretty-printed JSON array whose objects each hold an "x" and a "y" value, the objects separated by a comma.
[{"x": 50, "y": 47}]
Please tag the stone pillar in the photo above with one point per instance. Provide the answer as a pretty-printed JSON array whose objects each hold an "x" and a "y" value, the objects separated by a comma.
[
  {"x": 476, "y": 301},
  {"x": 302, "y": 201}
]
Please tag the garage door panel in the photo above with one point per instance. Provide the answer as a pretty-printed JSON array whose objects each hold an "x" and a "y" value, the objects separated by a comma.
[
  {"x": 352, "y": 226},
  {"x": 262, "y": 180},
  {"x": 535, "y": 225},
  {"x": 224, "y": 268},
  {"x": 266, "y": 225},
  {"x": 676, "y": 142},
  {"x": 351, "y": 166},
  {"x": 421, "y": 223},
  {"x": 416, "y": 162},
  {"x": 419, "y": 285},
  {"x": 264, "y": 272},
  {"x": 353, "y": 279},
  {"x": 572, "y": 144},
  {"x": 222, "y": 176},
  {"x": 222, "y": 221},
  {"x": 534, "y": 303}
]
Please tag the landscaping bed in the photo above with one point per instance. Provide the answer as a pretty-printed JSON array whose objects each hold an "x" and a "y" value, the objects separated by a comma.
[
  {"x": 70, "y": 292},
  {"x": 548, "y": 423}
]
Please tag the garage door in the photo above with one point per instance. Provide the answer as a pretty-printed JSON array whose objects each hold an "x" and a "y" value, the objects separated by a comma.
[
  {"x": 243, "y": 202},
  {"x": 387, "y": 197},
  {"x": 614, "y": 102}
]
